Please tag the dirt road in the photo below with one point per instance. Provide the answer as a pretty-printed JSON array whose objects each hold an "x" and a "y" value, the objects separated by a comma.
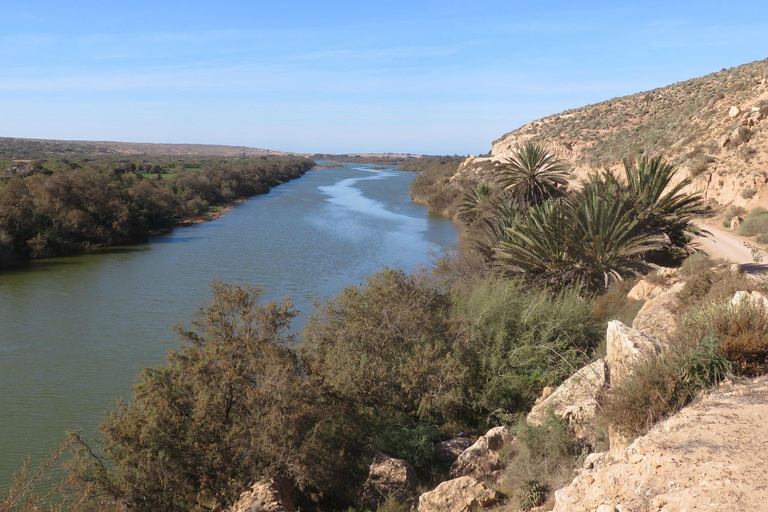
[{"x": 724, "y": 244}]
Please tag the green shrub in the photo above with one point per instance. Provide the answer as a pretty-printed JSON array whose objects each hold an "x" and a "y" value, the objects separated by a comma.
[
  {"x": 755, "y": 223},
  {"x": 741, "y": 332},
  {"x": 519, "y": 340},
  {"x": 705, "y": 284},
  {"x": 542, "y": 459},
  {"x": 660, "y": 386},
  {"x": 748, "y": 193},
  {"x": 386, "y": 347},
  {"x": 415, "y": 444}
]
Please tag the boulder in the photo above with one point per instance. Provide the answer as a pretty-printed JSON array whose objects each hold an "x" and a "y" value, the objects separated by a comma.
[
  {"x": 576, "y": 400},
  {"x": 657, "y": 318},
  {"x": 463, "y": 494},
  {"x": 387, "y": 477},
  {"x": 736, "y": 222},
  {"x": 734, "y": 111},
  {"x": 449, "y": 451},
  {"x": 272, "y": 495},
  {"x": 482, "y": 459},
  {"x": 644, "y": 290}
]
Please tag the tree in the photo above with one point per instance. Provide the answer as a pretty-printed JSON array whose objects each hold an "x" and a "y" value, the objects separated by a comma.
[
  {"x": 227, "y": 408},
  {"x": 531, "y": 176},
  {"x": 587, "y": 241}
]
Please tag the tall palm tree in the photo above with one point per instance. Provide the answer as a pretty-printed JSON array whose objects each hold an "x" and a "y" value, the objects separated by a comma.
[{"x": 531, "y": 176}]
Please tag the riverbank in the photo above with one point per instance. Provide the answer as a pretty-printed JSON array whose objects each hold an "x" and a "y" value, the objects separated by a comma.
[{"x": 59, "y": 208}]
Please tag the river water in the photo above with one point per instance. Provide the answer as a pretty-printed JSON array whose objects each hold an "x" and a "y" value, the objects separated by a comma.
[{"x": 75, "y": 332}]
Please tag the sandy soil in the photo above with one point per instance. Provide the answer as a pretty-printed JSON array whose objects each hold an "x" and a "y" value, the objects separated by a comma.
[{"x": 729, "y": 246}]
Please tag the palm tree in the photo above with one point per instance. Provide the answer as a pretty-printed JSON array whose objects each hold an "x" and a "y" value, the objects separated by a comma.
[
  {"x": 587, "y": 241},
  {"x": 669, "y": 212},
  {"x": 476, "y": 204},
  {"x": 531, "y": 176}
]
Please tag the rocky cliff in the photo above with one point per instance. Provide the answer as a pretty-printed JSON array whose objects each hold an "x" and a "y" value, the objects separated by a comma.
[{"x": 714, "y": 127}]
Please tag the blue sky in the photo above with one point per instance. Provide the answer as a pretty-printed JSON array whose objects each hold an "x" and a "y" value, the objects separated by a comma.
[{"x": 412, "y": 76}]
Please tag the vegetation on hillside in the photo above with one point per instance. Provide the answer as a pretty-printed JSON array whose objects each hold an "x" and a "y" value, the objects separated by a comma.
[
  {"x": 65, "y": 206},
  {"x": 682, "y": 121},
  {"x": 402, "y": 361},
  {"x": 526, "y": 223}
]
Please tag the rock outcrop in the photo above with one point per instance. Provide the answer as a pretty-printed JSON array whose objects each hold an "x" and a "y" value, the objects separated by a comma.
[
  {"x": 387, "y": 477},
  {"x": 575, "y": 400},
  {"x": 272, "y": 495},
  {"x": 644, "y": 290},
  {"x": 625, "y": 347},
  {"x": 449, "y": 451},
  {"x": 707, "y": 457},
  {"x": 463, "y": 494},
  {"x": 656, "y": 318},
  {"x": 482, "y": 459}
]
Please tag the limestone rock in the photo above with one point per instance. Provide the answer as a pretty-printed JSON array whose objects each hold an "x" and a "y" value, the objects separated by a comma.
[
  {"x": 463, "y": 494},
  {"x": 736, "y": 222},
  {"x": 576, "y": 400},
  {"x": 273, "y": 495},
  {"x": 657, "y": 317},
  {"x": 548, "y": 390},
  {"x": 755, "y": 298},
  {"x": 625, "y": 346},
  {"x": 709, "y": 456},
  {"x": 388, "y": 476},
  {"x": 482, "y": 459},
  {"x": 644, "y": 290},
  {"x": 449, "y": 451},
  {"x": 734, "y": 111}
]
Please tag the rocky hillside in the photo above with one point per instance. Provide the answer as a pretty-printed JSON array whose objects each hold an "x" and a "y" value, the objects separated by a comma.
[{"x": 715, "y": 127}]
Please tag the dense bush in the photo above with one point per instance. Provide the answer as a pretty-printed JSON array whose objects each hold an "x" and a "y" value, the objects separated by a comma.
[
  {"x": 542, "y": 460},
  {"x": 520, "y": 340},
  {"x": 431, "y": 185},
  {"x": 73, "y": 207},
  {"x": 754, "y": 224},
  {"x": 660, "y": 386}
]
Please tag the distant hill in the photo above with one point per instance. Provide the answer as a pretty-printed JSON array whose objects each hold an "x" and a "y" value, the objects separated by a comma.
[
  {"x": 16, "y": 148},
  {"x": 715, "y": 127}
]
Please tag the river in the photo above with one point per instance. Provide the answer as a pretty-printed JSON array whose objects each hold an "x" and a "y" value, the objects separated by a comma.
[{"x": 76, "y": 331}]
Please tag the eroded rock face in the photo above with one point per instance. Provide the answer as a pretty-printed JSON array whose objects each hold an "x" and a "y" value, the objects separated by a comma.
[
  {"x": 575, "y": 400},
  {"x": 644, "y": 290},
  {"x": 463, "y": 494},
  {"x": 449, "y": 451},
  {"x": 625, "y": 347},
  {"x": 709, "y": 456},
  {"x": 273, "y": 495},
  {"x": 388, "y": 476},
  {"x": 656, "y": 317},
  {"x": 482, "y": 459}
]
